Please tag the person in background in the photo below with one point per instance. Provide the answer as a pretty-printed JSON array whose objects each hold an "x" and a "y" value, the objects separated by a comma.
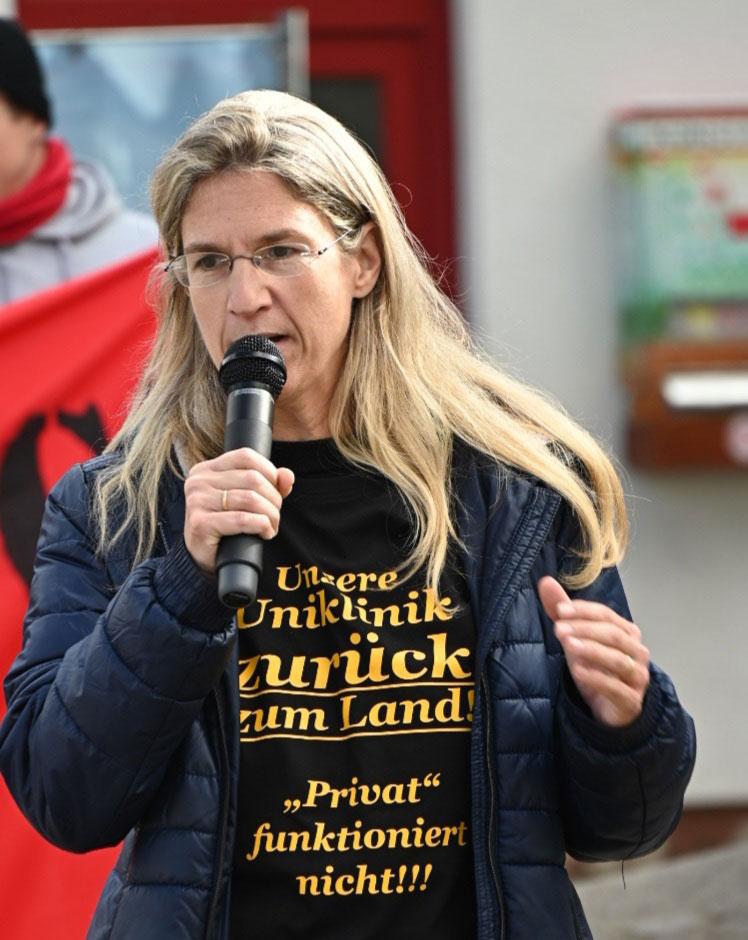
[
  {"x": 59, "y": 217},
  {"x": 439, "y": 690}
]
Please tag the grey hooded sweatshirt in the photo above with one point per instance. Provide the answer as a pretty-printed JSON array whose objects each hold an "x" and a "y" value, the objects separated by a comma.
[{"x": 92, "y": 230}]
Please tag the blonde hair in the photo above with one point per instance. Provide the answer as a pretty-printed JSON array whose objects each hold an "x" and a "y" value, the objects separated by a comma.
[{"x": 412, "y": 381}]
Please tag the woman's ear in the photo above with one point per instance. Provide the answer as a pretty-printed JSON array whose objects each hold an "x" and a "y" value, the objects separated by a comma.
[{"x": 368, "y": 261}]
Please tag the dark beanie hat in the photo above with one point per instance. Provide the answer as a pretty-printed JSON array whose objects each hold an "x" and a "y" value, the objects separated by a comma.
[{"x": 21, "y": 79}]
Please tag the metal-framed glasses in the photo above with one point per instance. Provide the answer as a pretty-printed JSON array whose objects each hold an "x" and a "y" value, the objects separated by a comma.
[{"x": 206, "y": 268}]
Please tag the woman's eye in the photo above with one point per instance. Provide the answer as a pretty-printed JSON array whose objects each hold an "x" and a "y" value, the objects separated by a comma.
[
  {"x": 282, "y": 252},
  {"x": 208, "y": 262}
]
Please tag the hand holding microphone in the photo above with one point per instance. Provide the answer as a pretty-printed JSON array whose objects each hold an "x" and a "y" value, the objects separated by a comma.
[{"x": 233, "y": 502}]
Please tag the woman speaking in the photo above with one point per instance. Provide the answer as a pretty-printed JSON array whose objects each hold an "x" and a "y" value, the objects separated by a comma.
[{"x": 438, "y": 691}]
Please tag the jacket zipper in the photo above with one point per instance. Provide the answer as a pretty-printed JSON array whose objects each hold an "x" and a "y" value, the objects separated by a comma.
[
  {"x": 162, "y": 533},
  {"x": 491, "y": 813},
  {"x": 537, "y": 517},
  {"x": 224, "y": 761},
  {"x": 574, "y": 913}
]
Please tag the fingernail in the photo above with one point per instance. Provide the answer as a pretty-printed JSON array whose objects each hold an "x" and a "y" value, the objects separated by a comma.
[
  {"x": 565, "y": 629},
  {"x": 565, "y": 609}
]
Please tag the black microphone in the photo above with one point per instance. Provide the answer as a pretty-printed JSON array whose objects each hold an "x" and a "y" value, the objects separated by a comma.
[{"x": 252, "y": 374}]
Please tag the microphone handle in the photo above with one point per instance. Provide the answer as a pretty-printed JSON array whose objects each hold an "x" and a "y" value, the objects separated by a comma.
[{"x": 249, "y": 423}]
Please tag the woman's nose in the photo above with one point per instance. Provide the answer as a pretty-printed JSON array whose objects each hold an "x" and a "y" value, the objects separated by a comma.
[{"x": 248, "y": 289}]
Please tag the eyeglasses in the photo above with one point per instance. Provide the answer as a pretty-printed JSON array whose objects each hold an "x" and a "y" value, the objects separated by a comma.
[{"x": 205, "y": 268}]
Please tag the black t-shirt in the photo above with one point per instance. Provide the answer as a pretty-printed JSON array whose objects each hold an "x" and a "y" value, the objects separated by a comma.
[{"x": 356, "y": 696}]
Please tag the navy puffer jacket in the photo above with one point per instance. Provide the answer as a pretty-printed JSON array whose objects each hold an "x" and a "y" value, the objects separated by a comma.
[{"x": 123, "y": 721}]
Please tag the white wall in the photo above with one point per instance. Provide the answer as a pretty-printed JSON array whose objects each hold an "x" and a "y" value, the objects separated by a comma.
[{"x": 536, "y": 83}]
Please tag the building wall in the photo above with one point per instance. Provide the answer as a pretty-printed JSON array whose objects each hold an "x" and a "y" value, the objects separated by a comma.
[{"x": 535, "y": 86}]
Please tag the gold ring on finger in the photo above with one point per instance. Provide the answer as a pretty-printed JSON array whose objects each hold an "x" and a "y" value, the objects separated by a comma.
[
  {"x": 224, "y": 500},
  {"x": 630, "y": 666}
]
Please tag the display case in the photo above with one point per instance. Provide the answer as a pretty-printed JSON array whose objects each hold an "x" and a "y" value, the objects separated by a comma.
[{"x": 681, "y": 223}]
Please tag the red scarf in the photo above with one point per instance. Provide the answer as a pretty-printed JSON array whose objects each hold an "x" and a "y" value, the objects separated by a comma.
[{"x": 24, "y": 211}]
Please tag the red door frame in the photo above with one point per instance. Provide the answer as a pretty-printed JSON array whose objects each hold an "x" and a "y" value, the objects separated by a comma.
[{"x": 404, "y": 44}]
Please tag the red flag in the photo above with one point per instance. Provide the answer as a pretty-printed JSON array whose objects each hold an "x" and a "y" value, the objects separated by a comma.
[{"x": 69, "y": 359}]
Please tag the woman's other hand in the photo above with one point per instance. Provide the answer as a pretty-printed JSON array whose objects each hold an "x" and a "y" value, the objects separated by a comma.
[
  {"x": 604, "y": 652},
  {"x": 240, "y": 492}
]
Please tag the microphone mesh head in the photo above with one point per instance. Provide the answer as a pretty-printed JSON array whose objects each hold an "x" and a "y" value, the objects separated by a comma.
[{"x": 251, "y": 361}]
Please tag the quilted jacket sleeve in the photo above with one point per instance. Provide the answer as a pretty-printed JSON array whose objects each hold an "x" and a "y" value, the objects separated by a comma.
[
  {"x": 107, "y": 683},
  {"x": 622, "y": 789}
]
